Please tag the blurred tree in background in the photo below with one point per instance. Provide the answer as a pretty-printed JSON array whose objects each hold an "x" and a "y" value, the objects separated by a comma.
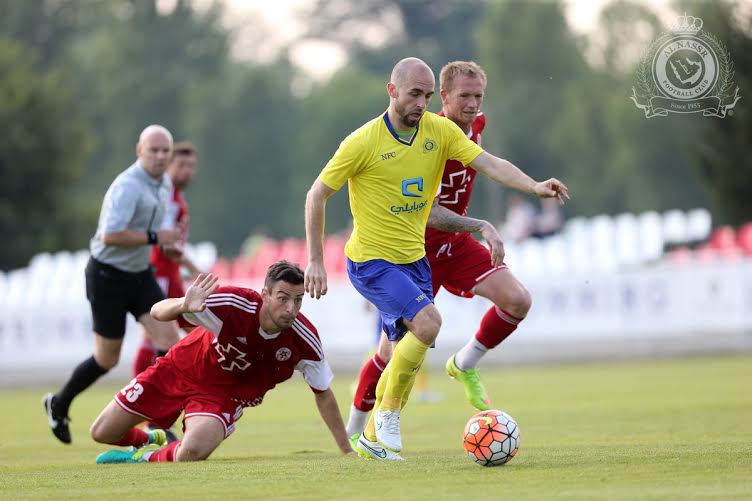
[
  {"x": 723, "y": 154},
  {"x": 246, "y": 129},
  {"x": 42, "y": 149},
  {"x": 48, "y": 27},
  {"x": 81, "y": 78},
  {"x": 639, "y": 163},
  {"x": 378, "y": 33},
  {"x": 137, "y": 67},
  {"x": 535, "y": 69}
]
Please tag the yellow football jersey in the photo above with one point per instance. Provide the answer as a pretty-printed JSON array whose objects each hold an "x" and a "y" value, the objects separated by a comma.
[{"x": 393, "y": 183}]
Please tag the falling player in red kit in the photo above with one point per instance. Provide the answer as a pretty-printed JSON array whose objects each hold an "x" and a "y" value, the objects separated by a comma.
[
  {"x": 168, "y": 260},
  {"x": 245, "y": 344},
  {"x": 458, "y": 262}
]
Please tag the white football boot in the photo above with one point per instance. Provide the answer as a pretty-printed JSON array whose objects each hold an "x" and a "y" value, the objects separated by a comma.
[
  {"x": 388, "y": 429},
  {"x": 373, "y": 450}
]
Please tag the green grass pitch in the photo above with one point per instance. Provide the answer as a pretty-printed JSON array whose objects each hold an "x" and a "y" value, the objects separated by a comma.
[{"x": 670, "y": 429}]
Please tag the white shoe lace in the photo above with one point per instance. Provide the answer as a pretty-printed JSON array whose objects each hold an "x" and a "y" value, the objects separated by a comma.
[{"x": 391, "y": 422}]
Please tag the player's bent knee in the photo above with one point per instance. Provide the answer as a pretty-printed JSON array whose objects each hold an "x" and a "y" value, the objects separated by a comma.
[
  {"x": 385, "y": 350},
  {"x": 191, "y": 453},
  {"x": 385, "y": 355},
  {"x": 521, "y": 303},
  {"x": 108, "y": 363},
  {"x": 107, "y": 357},
  {"x": 426, "y": 328},
  {"x": 516, "y": 302},
  {"x": 94, "y": 433},
  {"x": 433, "y": 324},
  {"x": 99, "y": 433}
]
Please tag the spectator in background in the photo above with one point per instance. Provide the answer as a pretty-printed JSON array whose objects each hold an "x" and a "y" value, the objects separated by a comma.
[
  {"x": 520, "y": 222},
  {"x": 550, "y": 220},
  {"x": 119, "y": 278}
]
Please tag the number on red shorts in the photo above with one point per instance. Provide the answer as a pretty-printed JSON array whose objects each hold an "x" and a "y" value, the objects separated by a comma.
[{"x": 132, "y": 391}]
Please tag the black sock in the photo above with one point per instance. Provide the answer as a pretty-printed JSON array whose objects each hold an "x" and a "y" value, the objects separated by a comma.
[
  {"x": 161, "y": 353},
  {"x": 83, "y": 376}
]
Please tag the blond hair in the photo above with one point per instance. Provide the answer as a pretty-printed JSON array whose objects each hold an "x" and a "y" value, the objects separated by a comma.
[{"x": 451, "y": 70}]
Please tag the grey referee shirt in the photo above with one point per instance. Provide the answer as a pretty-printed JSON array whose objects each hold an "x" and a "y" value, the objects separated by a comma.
[{"x": 135, "y": 201}]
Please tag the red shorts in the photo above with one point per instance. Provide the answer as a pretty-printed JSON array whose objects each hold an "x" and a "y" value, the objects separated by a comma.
[
  {"x": 460, "y": 265},
  {"x": 169, "y": 280},
  {"x": 161, "y": 393},
  {"x": 171, "y": 283}
]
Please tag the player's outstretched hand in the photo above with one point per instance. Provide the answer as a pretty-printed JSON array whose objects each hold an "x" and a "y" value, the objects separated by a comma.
[
  {"x": 204, "y": 286},
  {"x": 553, "y": 188},
  {"x": 492, "y": 237},
  {"x": 315, "y": 279}
]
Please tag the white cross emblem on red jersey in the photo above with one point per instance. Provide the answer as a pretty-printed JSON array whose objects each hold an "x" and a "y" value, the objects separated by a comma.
[
  {"x": 233, "y": 355},
  {"x": 462, "y": 182}
]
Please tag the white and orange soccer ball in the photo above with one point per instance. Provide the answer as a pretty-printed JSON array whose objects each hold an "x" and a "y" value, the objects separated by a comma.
[{"x": 492, "y": 438}]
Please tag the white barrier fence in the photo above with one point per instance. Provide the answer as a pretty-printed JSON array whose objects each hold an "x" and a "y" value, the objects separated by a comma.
[{"x": 45, "y": 325}]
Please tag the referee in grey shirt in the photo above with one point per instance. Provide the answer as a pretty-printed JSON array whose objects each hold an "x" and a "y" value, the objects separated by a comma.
[{"x": 119, "y": 278}]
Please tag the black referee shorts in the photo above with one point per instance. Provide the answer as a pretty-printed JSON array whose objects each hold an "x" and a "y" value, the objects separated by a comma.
[{"x": 112, "y": 293}]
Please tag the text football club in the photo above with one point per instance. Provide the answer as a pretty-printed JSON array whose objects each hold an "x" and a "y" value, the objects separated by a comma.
[{"x": 686, "y": 70}]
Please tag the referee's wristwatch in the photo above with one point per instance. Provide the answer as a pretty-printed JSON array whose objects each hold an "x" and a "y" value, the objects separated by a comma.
[{"x": 151, "y": 237}]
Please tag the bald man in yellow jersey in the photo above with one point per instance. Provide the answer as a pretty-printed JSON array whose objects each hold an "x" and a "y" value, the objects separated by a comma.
[{"x": 394, "y": 164}]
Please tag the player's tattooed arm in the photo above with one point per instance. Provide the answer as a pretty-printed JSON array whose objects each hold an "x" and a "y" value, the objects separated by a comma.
[{"x": 441, "y": 218}]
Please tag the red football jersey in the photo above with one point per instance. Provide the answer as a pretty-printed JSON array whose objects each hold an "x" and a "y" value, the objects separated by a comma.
[
  {"x": 232, "y": 354},
  {"x": 176, "y": 215},
  {"x": 456, "y": 188}
]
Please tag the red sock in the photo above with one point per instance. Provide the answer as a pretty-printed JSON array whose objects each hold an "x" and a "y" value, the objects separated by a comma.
[
  {"x": 165, "y": 454},
  {"x": 365, "y": 395},
  {"x": 495, "y": 327},
  {"x": 135, "y": 437},
  {"x": 144, "y": 357}
]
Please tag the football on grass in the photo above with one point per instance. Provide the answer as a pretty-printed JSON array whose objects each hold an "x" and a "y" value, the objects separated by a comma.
[{"x": 492, "y": 438}]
